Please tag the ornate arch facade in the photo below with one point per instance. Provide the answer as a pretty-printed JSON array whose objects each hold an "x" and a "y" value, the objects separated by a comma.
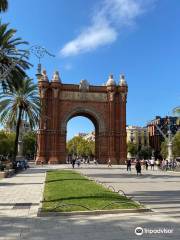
[{"x": 105, "y": 106}]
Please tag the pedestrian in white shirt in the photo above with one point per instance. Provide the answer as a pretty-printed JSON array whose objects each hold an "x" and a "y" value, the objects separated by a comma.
[{"x": 152, "y": 162}]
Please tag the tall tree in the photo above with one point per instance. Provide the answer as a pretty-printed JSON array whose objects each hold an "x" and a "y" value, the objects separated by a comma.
[
  {"x": 145, "y": 152},
  {"x": 19, "y": 103},
  {"x": 13, "y": 61},
  {"x": 3, "y": 5},
  {"x": 132, "y": 148}
]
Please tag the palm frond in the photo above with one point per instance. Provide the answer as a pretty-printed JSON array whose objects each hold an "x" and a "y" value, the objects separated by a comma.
[
  {"x": 12, "y": 57},
  {"x": 3, "y": 5},
  {"x": 24, "y": 96}
]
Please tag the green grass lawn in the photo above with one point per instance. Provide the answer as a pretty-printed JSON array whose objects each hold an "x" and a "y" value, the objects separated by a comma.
[{"x": 70, "y": 187}]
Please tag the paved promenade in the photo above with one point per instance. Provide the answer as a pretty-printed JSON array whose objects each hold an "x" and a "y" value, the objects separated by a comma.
[
  {"x": 20, "y": 195},
  {"x": 19, "y": 222},
  {"x": 158, "y": 190}
]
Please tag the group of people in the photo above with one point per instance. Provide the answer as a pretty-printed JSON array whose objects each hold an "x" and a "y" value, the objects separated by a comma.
[
  {"x": 166, "y": 165},
  {"x": 75, "y": 160},
  {"x": 139, "y": 164},
  {"x": 163, "y": 165},
  {"x": 78, "y": 160}
]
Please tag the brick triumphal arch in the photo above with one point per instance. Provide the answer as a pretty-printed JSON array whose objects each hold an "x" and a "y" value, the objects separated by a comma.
[{"x": 105, "y": 106}]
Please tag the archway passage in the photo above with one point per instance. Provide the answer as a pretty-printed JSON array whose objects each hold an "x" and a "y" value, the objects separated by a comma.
[
  {"x": 105, "y": 106},
  {"x": 81, "y": 140},
  {"x": 95, "y": 118}
]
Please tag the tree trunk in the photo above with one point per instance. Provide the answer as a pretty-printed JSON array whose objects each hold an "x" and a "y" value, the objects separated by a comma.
[{"x": 17, "y": 134}]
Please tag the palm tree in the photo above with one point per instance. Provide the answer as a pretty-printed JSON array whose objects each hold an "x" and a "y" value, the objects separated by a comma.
[
  {"x": 3, "y": 5},
  {"x": 13, "y": 61},
  {"x": 20, "y": 103}
]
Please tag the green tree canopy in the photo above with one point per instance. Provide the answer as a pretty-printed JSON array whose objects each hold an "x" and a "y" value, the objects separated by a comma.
[
  {"x": 29, "y": 144},
  {"x": 145, "y": 152},
  {"x": 6, "y": 143},
  {"x": 81, "y": 147},
  {"x": 132, "y": 148}
]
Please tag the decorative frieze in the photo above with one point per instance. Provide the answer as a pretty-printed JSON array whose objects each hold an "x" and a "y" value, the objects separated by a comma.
[{"x": 83, "y": 96}]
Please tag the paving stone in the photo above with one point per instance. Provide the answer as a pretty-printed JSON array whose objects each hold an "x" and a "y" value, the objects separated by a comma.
[{"x": 159, "y": 190}]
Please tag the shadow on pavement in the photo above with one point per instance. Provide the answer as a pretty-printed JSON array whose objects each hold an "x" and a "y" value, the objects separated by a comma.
[
  {"x": 97, "y": 228},
  {"x": 130, "y": 175}
]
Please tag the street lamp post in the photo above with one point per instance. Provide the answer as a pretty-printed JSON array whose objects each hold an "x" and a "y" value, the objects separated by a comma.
[
  {"x": 36, "y": 50},
  {"x": 169, "y": 144},
  {"x": 39, "y": 52}
]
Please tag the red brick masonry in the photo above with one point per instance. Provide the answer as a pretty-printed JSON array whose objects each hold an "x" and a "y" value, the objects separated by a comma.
[{"x": 105, "y": 106}]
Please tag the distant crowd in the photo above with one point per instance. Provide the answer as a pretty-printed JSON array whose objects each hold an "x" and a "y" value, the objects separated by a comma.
[
  {"x": 77, "y": 160},
  {"x": 150, "y": 163}
]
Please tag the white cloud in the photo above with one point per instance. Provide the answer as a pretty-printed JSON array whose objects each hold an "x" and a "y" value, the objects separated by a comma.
[
  {"x": 107, "y": 21},
  {"x": 91, "y": 38}
]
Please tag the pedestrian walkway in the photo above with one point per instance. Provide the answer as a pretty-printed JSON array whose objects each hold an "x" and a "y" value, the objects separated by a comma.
[
  {"x": 20, "y": 195},
  {"x": 156, "y": 189}
]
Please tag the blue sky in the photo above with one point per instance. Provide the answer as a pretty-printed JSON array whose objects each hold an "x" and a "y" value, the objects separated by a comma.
[{"x": 94, "y": 38}]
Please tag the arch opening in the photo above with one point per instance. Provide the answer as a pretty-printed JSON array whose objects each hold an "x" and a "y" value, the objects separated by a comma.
[{"x": 82, "y": 130}]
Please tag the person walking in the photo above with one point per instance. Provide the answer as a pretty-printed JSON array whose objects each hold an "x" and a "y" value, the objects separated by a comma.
[
  {"x": 166, "y": 165},
  {"x": 143, "y": 163},
  {"x": 152, "y": 162},
  {"x": 73, "y": 162},
  {"x": 109, "y": 163},
  {"x": 174, "y": 165},
  {"x": 42, "y": 163},
  {"x": 157, "y": 163},
  {"x": 78, "y": 162},
  {"x": 129, "y": 165},
  {"x": 138, "y": 167},
  {"x": 163, "y": 165},
  {"x": 146, "y": 164},
  {"x": 95, "y": 161}
]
